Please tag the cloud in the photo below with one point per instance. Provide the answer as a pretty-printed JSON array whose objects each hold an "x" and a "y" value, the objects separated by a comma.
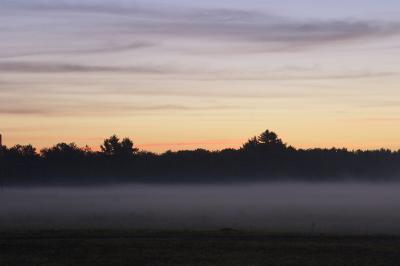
[
  {"x": 93, "y": 50},
  {"x": 172, "y": 107},
  {"x": 390, "y": 120},
  {"x": 381, "y": 104},
  {"x": 12, "y": 110},
  {"x": 280, "y": 35},
  {"x": 46, "y": 67},
  {"x": 187, "y": 74},
  {"x": 53, "y": 106},
  {"x": 292, "y": 76},
  {"x": 87, "y": 6},
  {"x": 265, "y": 32}
]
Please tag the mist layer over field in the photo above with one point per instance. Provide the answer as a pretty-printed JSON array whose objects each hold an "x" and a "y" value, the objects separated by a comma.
[{"x": 277, "y": 207}]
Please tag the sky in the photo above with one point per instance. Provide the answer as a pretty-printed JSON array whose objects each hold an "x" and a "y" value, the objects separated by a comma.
[{"x": 185, "y": 74}]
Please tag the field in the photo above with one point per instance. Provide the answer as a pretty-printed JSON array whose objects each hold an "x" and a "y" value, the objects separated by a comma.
[{"x": 224, "y": 247}]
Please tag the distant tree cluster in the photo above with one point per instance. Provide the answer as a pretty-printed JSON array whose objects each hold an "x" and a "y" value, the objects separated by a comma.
[
  {"x": 261, "y": 158},
  {"x": 114, "y": 147}
]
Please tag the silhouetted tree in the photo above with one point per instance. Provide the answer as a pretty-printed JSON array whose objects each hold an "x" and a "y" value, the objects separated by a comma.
[
  {"x": 269, "y": 137},
  {"x": 27, "y": 151},
  {"x": 265, "y": 157},
  {"x": 87, "y": 150},
  {"x": 111, "y": 145},
  {"x": 62, "y": 150},
  {"x": 251, "y": 144},
  {"x": 3, "y": 150},
  {"x": 127, "y": 148},
  {"x": 268, "y": 140},
  {"x": 114, "y": 147}
]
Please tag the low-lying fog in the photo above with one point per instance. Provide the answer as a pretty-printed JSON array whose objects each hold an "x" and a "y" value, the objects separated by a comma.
[{"x": 282, "y": 207}]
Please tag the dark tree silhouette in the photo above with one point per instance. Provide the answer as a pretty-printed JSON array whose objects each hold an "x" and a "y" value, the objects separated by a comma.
[
  {"x": 110, "y": 146},
  {"x": 3, "y": 150},
  {"x": 127, "y": 148},
  {"x": 265, "y": 157},
  {"x": 251, "y": 144},
  {"x": 270, "y": 138},
  {"x": 62, "y": 150},
  {"x": 114, "y": 147},
  {"x": 27, "y": 151}
]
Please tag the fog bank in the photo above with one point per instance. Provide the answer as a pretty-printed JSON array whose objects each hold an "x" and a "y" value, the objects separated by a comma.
[{"x": 276, "y": 207}]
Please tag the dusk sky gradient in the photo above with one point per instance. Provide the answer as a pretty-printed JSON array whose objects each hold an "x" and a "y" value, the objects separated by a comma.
[{"x": 184, "y": 74}]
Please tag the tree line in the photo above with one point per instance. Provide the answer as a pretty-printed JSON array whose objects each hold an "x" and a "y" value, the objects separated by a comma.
[{"x": 262, "y": 158}]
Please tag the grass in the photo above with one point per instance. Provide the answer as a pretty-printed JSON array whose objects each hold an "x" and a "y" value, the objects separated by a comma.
[{"x": 223, "y": 247}]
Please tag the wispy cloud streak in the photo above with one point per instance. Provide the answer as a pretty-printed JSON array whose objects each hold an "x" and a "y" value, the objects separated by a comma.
[
  {"x": 44, "y": 67},
  {"x": 81, "y": 51},
  {"x": 272, "y": 32},
  {"x": 56, "y": 107}
]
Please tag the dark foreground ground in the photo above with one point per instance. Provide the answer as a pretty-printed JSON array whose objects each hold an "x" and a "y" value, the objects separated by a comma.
[{"x": 223, "y": 247}]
